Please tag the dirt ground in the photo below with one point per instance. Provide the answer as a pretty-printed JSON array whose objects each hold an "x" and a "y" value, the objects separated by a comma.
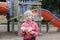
[{"x": 51, "y": 35}]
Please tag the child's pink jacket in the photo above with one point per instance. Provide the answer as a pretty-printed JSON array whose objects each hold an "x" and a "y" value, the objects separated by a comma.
[{"x": 30, "y": 24}]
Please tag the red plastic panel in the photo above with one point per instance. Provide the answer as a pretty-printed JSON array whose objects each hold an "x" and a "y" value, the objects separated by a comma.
[
  {"x": 47, "y": 16},
  {"x": 3, "y": 8},
  {"x": 56, "y": 23}
]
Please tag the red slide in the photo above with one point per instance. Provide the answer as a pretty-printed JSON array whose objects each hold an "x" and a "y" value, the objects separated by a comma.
[{"x": 48, "y": 16}]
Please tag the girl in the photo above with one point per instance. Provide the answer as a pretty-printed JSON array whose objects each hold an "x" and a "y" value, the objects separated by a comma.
[{"x": 29, "y": 29}]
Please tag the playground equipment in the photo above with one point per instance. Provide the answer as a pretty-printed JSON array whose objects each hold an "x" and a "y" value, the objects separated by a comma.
[
  {"x": 47, "y": 15},
  {"x": 7, "y": 9},
  {"x": 12, "y": 8}
]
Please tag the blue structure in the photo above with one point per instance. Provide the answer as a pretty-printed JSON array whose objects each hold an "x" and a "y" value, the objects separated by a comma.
[
  {"x": 9, "y": 8},
  {"x": 23, "y": 8},
  {"x": 29, "y": 0}
]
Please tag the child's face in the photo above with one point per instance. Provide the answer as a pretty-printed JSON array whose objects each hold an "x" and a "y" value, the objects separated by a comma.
[{"x": 28, "y": 17}]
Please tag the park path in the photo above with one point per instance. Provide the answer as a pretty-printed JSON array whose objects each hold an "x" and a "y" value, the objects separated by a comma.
[{"x": 51, "y": 35}]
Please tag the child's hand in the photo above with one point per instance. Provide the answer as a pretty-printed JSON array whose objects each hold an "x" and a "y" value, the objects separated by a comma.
[
  {"x": 28, "y": 29},
  {"x": 23, "y": 29},
  {"x": 32, "y": 32}
]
